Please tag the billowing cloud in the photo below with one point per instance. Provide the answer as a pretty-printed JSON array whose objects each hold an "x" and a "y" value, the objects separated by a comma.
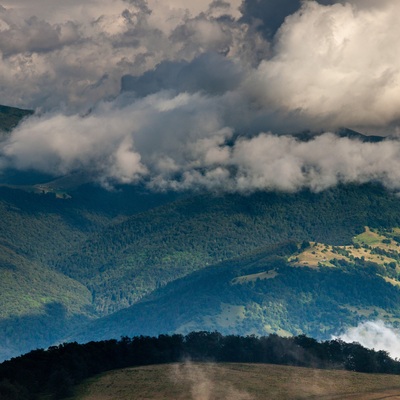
[
  {"x": 74, "y": 54},
  {"x": 335, "y": 65},
  {"x": 208, "y": 98},
  {"x": 375, "y": 335},
  {"x": 183, "y": 141}
]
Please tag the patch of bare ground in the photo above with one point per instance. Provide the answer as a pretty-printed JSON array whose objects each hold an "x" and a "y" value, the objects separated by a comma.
[{"x": 207, "y": 381}]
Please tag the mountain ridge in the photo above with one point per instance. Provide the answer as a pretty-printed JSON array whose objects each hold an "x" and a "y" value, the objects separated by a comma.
[{"x": 10, "y": 117}]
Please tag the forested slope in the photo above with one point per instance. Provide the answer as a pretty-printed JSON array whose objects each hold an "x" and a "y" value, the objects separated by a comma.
[
  {"x": 113, "y": 256},
  {"x": 128, "y": 260},
  {"x": 260, "y": 293},
  {"x": 40, "y": 305}
]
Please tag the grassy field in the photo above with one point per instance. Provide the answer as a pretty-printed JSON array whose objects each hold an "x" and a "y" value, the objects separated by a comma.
[
  {"x": 200, "y": 381},
  {"x": 322, "y": 254}
]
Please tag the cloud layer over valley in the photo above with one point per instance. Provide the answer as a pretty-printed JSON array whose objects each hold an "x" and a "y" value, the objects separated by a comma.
[{"x": 203, "y": 95}]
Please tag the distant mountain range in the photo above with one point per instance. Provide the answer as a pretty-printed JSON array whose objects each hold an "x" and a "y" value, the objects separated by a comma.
[{"x": 80, "y": 262}]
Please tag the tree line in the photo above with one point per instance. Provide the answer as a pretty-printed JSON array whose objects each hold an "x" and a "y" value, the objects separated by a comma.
[{"x": 55, "y": 371}]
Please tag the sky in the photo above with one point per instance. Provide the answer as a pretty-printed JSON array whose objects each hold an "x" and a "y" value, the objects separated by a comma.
[{"x": 203, "y": 95}]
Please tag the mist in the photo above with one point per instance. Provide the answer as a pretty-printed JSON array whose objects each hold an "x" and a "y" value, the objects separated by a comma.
[
  {"x": 202, "y": 384},
  {"x": 376, "y": 335}
]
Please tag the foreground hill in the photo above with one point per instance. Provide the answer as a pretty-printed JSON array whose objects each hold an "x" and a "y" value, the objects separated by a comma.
[
  {"x": 55, "y": 373},
  {"x": 203, "y": 381}
]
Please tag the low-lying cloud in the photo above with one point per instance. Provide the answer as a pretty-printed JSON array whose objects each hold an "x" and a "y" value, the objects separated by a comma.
[
  {"x": 182, "y": 141},
  {"x": 375, "y": 335}
]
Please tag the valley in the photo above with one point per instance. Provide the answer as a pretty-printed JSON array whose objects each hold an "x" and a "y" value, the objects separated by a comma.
[{"x": 86, "y": 263}]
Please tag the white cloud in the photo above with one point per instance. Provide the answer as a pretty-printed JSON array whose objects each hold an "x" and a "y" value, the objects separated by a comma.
[
  {"x": 73, "y": 54},
  {"x": 201, "y": 105},
  {"x": 375, "y": 335},
  {"x": 184, "y": 141},
  {"x": 335, "y": 66}
]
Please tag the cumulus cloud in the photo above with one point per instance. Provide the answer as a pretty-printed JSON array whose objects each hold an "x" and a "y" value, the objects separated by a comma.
[
  {"x": 334, "y": 65},
  {"x": 36, "y": 35},
  {"x": 183, "y": 141},
  {"x": 208, "y": 98},
  {"x": 72, "y": 55},
  {"x": 375, "y": 335}
]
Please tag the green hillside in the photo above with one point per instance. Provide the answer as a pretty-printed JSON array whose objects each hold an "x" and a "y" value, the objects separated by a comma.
[
  {"x": 266, "y": 292},
  {"x": 116, "y": 251},
  {"x": 43, "y": 226},
  {"x": 128, "y": 260},
  {"x": 38, "y": 306},
  {"x": 39, "y": 226}
]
